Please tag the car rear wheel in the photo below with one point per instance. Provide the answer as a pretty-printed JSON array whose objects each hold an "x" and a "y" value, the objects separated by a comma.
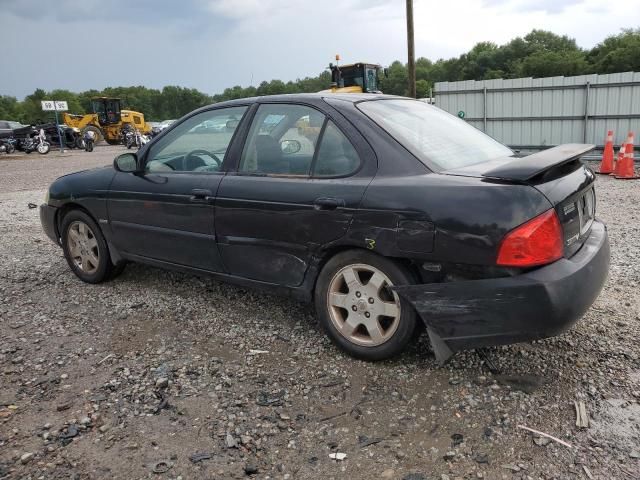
[
  {"x": 357, "y": 308},
  {"x": 85, "y": 248}
]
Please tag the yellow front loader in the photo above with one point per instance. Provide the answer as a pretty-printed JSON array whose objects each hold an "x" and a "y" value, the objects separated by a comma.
[
  {"x": 107, "y": 120},
  {"x": 355, "y": 77}
]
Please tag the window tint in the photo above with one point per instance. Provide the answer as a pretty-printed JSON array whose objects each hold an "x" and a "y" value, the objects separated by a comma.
[
  {"x": 198, "y": 144},
  {"x": 336, "y": 156},
  {"x": 282, "y": 140}
]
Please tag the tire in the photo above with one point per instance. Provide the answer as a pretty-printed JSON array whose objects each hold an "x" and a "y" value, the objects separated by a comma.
[
  {"x": 43, "y": 148},
  {"x": 85, "y": 248},
  {"x": 99, "y": 136},
  {"x": 10, "y": 149},
  {"x": 89, "y": 147},
  {"x": 391, "y": 323}
]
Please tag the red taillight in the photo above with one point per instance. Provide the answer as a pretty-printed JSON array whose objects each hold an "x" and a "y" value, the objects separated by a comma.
[{"x": 537, "y": 242}]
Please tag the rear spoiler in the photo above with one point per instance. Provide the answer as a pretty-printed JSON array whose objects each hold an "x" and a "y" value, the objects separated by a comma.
[{"x": 523, "y": 169}]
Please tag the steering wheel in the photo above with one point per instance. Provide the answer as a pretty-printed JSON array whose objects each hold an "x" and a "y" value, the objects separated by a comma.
[{"x": 197, "y": 152}]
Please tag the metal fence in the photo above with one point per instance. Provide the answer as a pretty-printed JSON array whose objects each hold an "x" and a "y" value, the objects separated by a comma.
[{"x": 537, "y": 113}]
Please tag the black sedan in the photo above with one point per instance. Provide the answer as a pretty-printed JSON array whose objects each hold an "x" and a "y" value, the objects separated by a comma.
[{"x": 388, "y": 213}]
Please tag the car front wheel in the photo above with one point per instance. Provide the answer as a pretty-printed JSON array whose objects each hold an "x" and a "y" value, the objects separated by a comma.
[
  {"x": 85, "y": 248},
  {"x": 357, "y": 308}
]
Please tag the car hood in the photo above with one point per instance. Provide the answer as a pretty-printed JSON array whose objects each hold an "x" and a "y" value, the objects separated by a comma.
[{"x": 80, "y": 184}]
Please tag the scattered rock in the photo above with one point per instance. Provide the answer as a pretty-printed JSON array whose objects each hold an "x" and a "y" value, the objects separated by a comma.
[
  {"x": 26, "y": 458},
  {"x": 162, "y": 382},
  {"x": 450, "y": 455},
  {"x": 231, "y": 442},
  {"x": 524, "y": 383},
  {"x": 414, "y": 476},
  {"x": 481, "y": 458},
  {"x": 541, "y": 441},
  {"x": 198, "y": 457},
  {"x": 338, "y": 456}
]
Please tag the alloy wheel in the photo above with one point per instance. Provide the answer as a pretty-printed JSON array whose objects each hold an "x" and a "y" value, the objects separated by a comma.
[
  {"x": 361, "y": 305},
  {"x": 83, "y": 247}
]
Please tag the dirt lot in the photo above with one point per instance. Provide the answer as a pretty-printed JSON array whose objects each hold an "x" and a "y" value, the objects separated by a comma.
[{"x": 138, "y": 377}]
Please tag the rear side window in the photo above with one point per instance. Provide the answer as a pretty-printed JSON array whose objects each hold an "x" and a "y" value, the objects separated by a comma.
[
  {"x": 336, "y": 156},
  {"x": 296, "y": 140},
  {"x": 433, "y": 135}
]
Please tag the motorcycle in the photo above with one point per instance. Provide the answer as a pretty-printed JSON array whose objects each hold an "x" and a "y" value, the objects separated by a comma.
[
  {"x": 71, "y": 137},
  {"x": 128, "y": 136},
  {"x": 141, "y": 139},
  {"x": 88, "y": 140},
  {"x": 7, "y": 145},
  {"x": 36, "y": 142}
]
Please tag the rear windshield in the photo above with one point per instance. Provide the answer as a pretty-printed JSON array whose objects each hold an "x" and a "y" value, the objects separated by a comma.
[{"x": 436, "y": 137}]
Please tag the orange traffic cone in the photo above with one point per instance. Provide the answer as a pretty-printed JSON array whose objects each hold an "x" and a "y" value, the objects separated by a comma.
[
  {"x": 618, "y": 160},
  {"x": 626, "y": 169},
  {"x": 606, "y": 165}
]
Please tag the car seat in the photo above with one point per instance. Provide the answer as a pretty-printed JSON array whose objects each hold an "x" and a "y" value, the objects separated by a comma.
[{"x": 269, "y": 156}]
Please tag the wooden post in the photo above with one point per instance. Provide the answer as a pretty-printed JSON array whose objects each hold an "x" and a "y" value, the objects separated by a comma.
[{"x": 411, "y": 64}]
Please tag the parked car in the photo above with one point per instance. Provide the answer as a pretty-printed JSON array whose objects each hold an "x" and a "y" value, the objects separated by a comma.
[
  {"x": 160, "y": 126},
  {"x": 8, "y": 126},
  {"x": 387, "y": 212}
]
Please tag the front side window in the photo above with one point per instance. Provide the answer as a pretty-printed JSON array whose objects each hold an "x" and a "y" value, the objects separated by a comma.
[
  {"x": 433, "y": 135},
  {"x": 198, "y": 144},
  {"x": 282, "y": 140}
]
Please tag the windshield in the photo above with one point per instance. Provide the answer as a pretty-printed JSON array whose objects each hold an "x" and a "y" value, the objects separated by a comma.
[
  {"x": 433, "y": 135},
  {"x": 351, "y": 77}
]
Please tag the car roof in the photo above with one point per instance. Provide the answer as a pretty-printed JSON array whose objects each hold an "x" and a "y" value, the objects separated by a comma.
[{"x": 301, "y": 97}]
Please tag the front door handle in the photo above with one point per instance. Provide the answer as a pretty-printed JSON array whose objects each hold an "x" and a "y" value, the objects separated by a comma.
[
  {"x": 199, "y": 195},
  {"x": 327, "y": 203}
]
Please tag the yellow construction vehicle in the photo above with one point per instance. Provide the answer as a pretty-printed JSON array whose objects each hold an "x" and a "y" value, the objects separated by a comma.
[
  {"x": 355, "y": 78},
  {"x": 107, "y": 120}
]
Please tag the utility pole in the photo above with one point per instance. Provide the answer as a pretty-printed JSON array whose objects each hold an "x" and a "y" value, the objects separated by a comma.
[{"x": 411, "y": 64}]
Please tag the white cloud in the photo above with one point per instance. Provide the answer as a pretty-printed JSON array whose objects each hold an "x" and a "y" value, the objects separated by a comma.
[{"x": 214, "y": 44}]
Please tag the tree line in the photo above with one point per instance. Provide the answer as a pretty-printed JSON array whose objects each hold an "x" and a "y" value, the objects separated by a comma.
[{"x": 538, "y": 54}]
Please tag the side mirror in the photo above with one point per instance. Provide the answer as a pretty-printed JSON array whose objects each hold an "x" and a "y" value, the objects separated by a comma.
[
  {"x": 126, "y": 163},
  {"x": 290, "y": 146}
]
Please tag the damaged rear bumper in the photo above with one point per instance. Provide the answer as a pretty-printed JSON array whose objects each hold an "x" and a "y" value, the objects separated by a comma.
[{"x": 538, "y": 304}]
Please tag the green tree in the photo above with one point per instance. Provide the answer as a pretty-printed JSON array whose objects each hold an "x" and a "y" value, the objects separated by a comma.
[
  {"x": 9, "y": 108},
  {"x": 617, "y": 53}
]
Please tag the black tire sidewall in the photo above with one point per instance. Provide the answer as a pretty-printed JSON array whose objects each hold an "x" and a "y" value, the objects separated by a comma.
[
  {"x": 104, "y": 269},
  {"x": 408, "y": 327}
]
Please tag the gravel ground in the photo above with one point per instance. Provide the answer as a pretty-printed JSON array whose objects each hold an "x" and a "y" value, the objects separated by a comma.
[{"x": 163, "y": 375}]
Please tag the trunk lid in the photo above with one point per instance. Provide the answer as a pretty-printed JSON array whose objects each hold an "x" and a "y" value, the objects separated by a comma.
[{"x": 560, "y": 176}]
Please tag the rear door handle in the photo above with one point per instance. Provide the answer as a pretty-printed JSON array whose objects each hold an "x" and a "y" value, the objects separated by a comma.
[
  {"x": 199, "y": 195},
  {"x": 327, "y": 203}
]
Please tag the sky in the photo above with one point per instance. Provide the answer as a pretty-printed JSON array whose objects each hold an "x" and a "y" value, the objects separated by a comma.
[{"x": 214, "y": 44}]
